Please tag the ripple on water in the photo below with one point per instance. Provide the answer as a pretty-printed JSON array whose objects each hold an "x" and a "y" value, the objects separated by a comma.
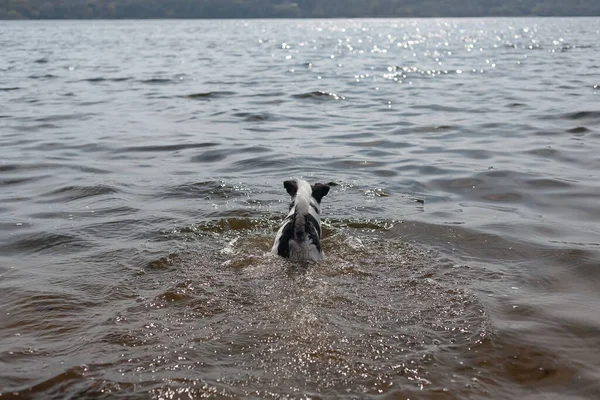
[
  {"x": 376, "y": 153},
  {"x": 196, "y": 190},
  {"x": 70, "y": 193},
  {"x": 256, "y": 117},
  {"x": 500, "y": 186},
  {"x": 508, "y": 197},
  {"x": 211, "y": 156},
  {"x": 103, "y": 79},
  {"x": 580, "y": 115},
  {"x": 579, "y": 129},
  {"x": 378, "y": 317},
  {"x": 356, "y": 164},
  {"x": 388, "y": 144},
  {"x": 163, "y": 147},
  {"x": 548, "y": 183},
  {"x": 262, "y": 163},
  {"x": 167, "y": 290},
  {"x": 552, "y": 153},
  {"x": 158, "y": 81},
  {"x": 44, "y": 242},
  {"x": 43, "y": 77},
  {"x": 319, "y": 95},
  {"x": 344, "y": 325},
  {"x": 20, "y": 180},
  {"x": 209, "y": 95},
  {"x": 461, "y": 183},
  {"x": 206, "y": 190},
  {"x": 64, "y": 117}
]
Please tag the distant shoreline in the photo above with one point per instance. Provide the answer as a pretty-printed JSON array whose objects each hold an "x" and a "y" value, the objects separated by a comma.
[
  {"x": 291, "y": 9},
  {"x": 293, "y": 18}
]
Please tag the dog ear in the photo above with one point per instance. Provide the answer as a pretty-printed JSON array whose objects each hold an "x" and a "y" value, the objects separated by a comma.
[
  {"x": 319, "y": 191},
  {"x": 291, "y": 187}
]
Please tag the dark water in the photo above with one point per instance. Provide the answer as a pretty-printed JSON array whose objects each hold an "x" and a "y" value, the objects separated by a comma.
[{"x": 141, "y": 169}]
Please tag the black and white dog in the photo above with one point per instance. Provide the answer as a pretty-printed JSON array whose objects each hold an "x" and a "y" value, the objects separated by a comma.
[{"x": 299, "y": 238}]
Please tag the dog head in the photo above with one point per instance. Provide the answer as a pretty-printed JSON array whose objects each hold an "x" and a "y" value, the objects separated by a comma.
[{"x": 305, "y": 190}]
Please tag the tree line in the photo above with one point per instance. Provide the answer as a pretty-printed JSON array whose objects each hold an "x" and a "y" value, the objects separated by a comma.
[{"x": 121, "y": 9}]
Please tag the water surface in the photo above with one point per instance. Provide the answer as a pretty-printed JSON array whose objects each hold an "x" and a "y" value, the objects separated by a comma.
[{"x": 141, "y": 169}]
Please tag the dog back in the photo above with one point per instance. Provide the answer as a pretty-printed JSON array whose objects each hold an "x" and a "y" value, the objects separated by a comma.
[{"x": 299, "y": 237}]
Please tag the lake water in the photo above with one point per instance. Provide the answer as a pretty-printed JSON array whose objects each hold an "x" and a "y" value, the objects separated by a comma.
[{"x": 141, "y": 169}]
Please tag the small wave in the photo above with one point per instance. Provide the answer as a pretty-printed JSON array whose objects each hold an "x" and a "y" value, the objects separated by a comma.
[
  {"x": 445, "y": 108},
  {"x": 358, "y": 164},
  {"x": 579, "y": 129},
  {"x": 161, "y": 148},
  {"x": 223, "y": 225},
  {"x": 204, "y": 190},
  {"x": 46, "y": 167},
  {"x": 432, "y": 128},
  {"x": 46, "y": 76},
  {"x": 93, "y": 80},
  {"x": 568, "y": 47},
  {"x": 211, "y": 156},
  {"x": 22, "y": 180},
  {"x": 10, "y": 167},
  {"x": 102, "y": 79},
  {"x": 255, "y": 117},
  {"x": 42, "y": 242},
  {"x": 208, "y": 95},
  {"x": 157, "y": 81},
  {"x": 401, "y": 74},
  {"x": 85, "y": 168},
  {"x": 63, "y": 304},
  {"x": 9, "y": 89},
  {"x": 166, "y": 262},
  {"x": 319, "y": 95},
  {"x": 580, "y": 115},
  {"x": 254, "y": 149},
  {"x": 349, "y": 136},
  {"x": 388, "y": 144},
  {"x": 548, "y": 183},
  {"x": 70, "y": 193},
  {"x": 63, "y": 117},
  {"x": 503, "y": 197},
  {"x": 259, "y": 163},
  {"x": 266, "y": 94},
  {"x": 125, "y": 228},
  {"x": 544, "y": 152},
  {"x": 60, "y": 383}
]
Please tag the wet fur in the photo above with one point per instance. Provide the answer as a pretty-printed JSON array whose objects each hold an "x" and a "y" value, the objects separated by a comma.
[{"x": 299, "y": 237}]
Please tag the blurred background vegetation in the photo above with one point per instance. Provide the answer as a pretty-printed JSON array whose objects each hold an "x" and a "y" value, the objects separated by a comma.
[{"x": 71, "y": 9}]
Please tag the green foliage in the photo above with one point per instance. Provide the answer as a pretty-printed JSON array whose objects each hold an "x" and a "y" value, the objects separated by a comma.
[{"x": 71, "y": 9}]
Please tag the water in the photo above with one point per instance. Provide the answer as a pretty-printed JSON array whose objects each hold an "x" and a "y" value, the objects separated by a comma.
[{"x": 141, "y": 188}]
